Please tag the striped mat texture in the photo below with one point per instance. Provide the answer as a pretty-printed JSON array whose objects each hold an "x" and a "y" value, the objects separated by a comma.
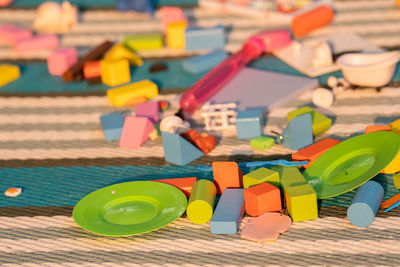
[{"x": 52, "y": 145}]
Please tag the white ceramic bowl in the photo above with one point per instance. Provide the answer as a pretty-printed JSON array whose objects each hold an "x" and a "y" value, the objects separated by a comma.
[{"x": 372, "y": 70}]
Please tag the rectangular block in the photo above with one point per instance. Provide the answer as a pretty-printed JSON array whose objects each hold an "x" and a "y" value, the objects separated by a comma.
[
  {"x": 289, "y": 176},
  {"x": 301, "y": 203},
  {"x": 377, "y": 128},
  {"x": 229, "y": 212},
  {"x": 41, "y": 42},
  {"x": 176, "y": 35},
  {"x": 227, "y": 174},
  {"x": 115, "y": 72},
  {"x": 148, "y": 110},
  {"x": 144, "y": 42},
  {"x": 60, "y": 60},
  {"x": 204, "y": 62},
  {"x": 124, "y": 95},
  {"x": 262, "y": 198},
  {"x": 92, "y": 69},
  {"x": 112, "y": 124},
  {"x": 315, "y": 150},
  {"x": 205, "y": 38},
  {"x": 140, "y": 6},
  {"x": 261, "y": 175},
  {"x": 10, "y": 34},
  {"x": 8, "y": 73},
  {"x": 249, "y": 123},
  {"x": 183, "y": 184}
]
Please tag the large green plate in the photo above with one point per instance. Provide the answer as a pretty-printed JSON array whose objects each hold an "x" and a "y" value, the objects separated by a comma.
[
  {"x": 352, "y": 163},
  {"x": 130, "y": 208}
]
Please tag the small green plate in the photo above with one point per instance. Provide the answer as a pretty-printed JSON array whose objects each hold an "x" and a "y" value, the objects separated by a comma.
[
  {"x": 352, "y": 163},
  {"x": 130, "y": 208}
]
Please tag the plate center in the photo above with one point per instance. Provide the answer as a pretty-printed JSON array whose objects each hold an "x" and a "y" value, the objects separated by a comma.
[
  {"x": 351, "y": 169},
  {"x": 131, "y": 212}
]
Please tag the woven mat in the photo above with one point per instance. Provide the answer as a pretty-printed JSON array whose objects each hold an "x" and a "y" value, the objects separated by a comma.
[{"x": 51, "y": 145}]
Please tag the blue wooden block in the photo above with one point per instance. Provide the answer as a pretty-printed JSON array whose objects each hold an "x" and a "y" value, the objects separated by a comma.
[
  {"x": 204, "y": 62},
  {"x": 365, "y": 205},
  {"x": 298, "y": 133},
  {"x": 204, "y": 38},
  {"x": 249, "y": 123},
  {"x": 229, "y": 212},
  {"x": 112, "y": 124},
  {"x": 142, "y": 6},
  {"x": 177, "y": 150}
]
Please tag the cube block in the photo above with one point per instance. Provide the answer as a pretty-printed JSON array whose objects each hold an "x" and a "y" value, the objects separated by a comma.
[
  {"x": 320, "y": 123},
  {"x": 298, "y": 133},
  {"x": 119, "y": 51},
  {"x": 8, "y": 73},
  {"x": 176, "y": 34},
  {"x": 289, "y": 176},
  {"x": 205, "y": 38},
  {"x": 127, "y": 94},
  {"x": 148, "y": 110},
  {"x": 261, "y": 175},
  {"x": 228, "y": 213},
  {"x": 177, "y": 150},
  {"x": 204, "y": 62},
  {"x": 60, "y": 60},
  {"x": 41, "y": 42},
  {"x": 115, "y": 72},
  {"x": 113, "y": 124},
  {"x": 315, "y": 150},
  {"x": 92, "y": 69},
  {"x": 183, "y": 184},
  {"x": 301, "y": 203},
  {"x": 262, "y": 198},
  {"x": 136, "y": 131},
  {"x": 262, "y": 142},
  {"x": 249, "y": 123},
  {"x": 10, "y": 34},
  {"x": 227, "y": 174},
  {"x": 144, "y": 42}
]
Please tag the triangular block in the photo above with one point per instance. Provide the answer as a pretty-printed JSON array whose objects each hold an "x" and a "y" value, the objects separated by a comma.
[
  {"x": 298, "y": 133},
  {"x": 177, "y": 150},
  {"x": 136, "y": 131}
]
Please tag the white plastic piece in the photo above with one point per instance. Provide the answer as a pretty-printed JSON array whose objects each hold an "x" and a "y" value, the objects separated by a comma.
[
  {"x": 219, "y": 116},
  {"x": 13, "y": 192},
  {"x": 323, "y": 97},
  {"x": 173, "y": 124},
  {"x": 55, "y": 18},
  {"x": 322, "y": 55}
]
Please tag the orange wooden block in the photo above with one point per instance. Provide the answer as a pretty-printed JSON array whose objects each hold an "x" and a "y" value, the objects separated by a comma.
[
  {"x": 227, "y": 174},
  {"x": 386, "y": 204},
  {"x": 315, "y": 150},
  {"x": 91, "y": 69},
  {"x": 377, "y": 128},
  {"x": 311, "y": 20},
  {"x": 262, "y": 198},
  {"x": 183, "y": 184}
]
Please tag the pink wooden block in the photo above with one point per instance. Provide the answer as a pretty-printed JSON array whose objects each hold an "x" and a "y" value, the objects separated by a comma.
[
  {"x": 60, "y": 60},
  {"x": 10, "y": 34},
  {"x": 41, "y": 42},
  {"x": 136, "y": 131},
  {"x": 171, "y": 14},
  {"x": 148, "y": 110}
]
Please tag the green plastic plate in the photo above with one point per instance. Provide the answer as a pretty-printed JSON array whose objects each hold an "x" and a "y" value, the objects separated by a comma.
[
  {"x": 130, "y": 208},
  {"x": 351, "y": 163}
]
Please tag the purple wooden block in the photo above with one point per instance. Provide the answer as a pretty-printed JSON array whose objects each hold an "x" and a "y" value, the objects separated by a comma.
[{"x": 148, "y": 110}]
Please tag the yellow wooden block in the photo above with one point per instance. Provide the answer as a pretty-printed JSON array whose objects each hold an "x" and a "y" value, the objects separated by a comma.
[
  {"x": 144, "y": 42},
  {"x": 119, "y": 51},
  {"x": 396, "y": 180},
  {"x": 176, "y": 34},
  {"x": 115, "y": 72},
  {"x": 395, "y": 126},
  {"x": 124, "y": 95},
  {"x": 301, "y": 203},
  {"x": 320, "y": 123},
  {"x": 393, "y": 166},
  {"x": 261, "y": 175},
  {"x": 289, "y": 176},
  {"x": 8, "y": 73}
]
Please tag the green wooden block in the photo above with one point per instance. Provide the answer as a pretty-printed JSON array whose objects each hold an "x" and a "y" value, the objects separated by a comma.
[
  {"x": 320, "y": 123},
  {"x": 301, "y": 203},
  {"x": 144, "y": 42},
  {"x": 396, "y": 180},
  {"x": 261, "y": 175},
  {"x": 262, "y": 142},
  {"x": 289, "y": 176}
]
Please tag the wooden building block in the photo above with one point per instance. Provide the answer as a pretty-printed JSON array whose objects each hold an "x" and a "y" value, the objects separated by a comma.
[
  {"x": 124, "y": 95},
  {"x": 377, "y": 128},
  {"x": 261, "y": 175},
  {"x": 396, "y": 180},
  {"x": 227, "y": 174},
  {"x": 262, "y": 198},
  {"x": 320, "y": 123},
  {"x": 8, "y": 73},
  {"x": 289, "y": 176},
  {"x": 201, "y": 63},
  {"x": 92, "y": 69},
  {"x": 393, "y": 166},
  {"x": 10, "y": 34},
  {"x": 205, "y": 38},
  {"x": 249, "y": 123},
  {"x": 315, "y": 150},
  {"x": 184, "y": 184},
  {"x": 140, "y": 6},
  {"x": 148, "y": 110},
  {"x": 395, "y": 126},
  {"x": 112, "y": 125},
  {"x": 171, "y": 14},
  {"x": 135, "y": 132},
  {"x": 41, "y": 42},
  {"x": 262, "y": 142},
  {"x": 201, "y": 202},
  {"x": 301, "y": 202},
  {"x": 144, "y": 42},
  {"x": 60, "y": 60},
  {"x": 176, "y": 34},
  {"x": 228, "y": 213},
  {"x": 298, "y": 133},
  {"x": 119, "y": 51},
  {"x": 177, "y": 150},
  {"x": 115, "y": 72}
]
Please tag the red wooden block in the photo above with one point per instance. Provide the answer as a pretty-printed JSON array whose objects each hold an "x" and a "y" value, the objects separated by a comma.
[
  {"x": 91, "y": 69},
  {"x": 262, "y": 198},
  {"x": 183, "y": 184},
  {"x": 315, "y": 150},
  {"x": 227, "y": 174},
  {"x": 136, "y": 131},
  {"x": 377, "y": 128}
]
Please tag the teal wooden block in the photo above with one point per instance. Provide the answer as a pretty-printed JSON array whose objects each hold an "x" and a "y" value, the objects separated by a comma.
[
  {"x": 204, "y": 62},
  {"x": 249, "y": 123},
  {"x": 204, "y": 38},
  {"x": 298, "y": 133},
  {"x": 177, "y": 150},
  {"x": 229, "y": 212},
  {"x": 112, "y": 124}
]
